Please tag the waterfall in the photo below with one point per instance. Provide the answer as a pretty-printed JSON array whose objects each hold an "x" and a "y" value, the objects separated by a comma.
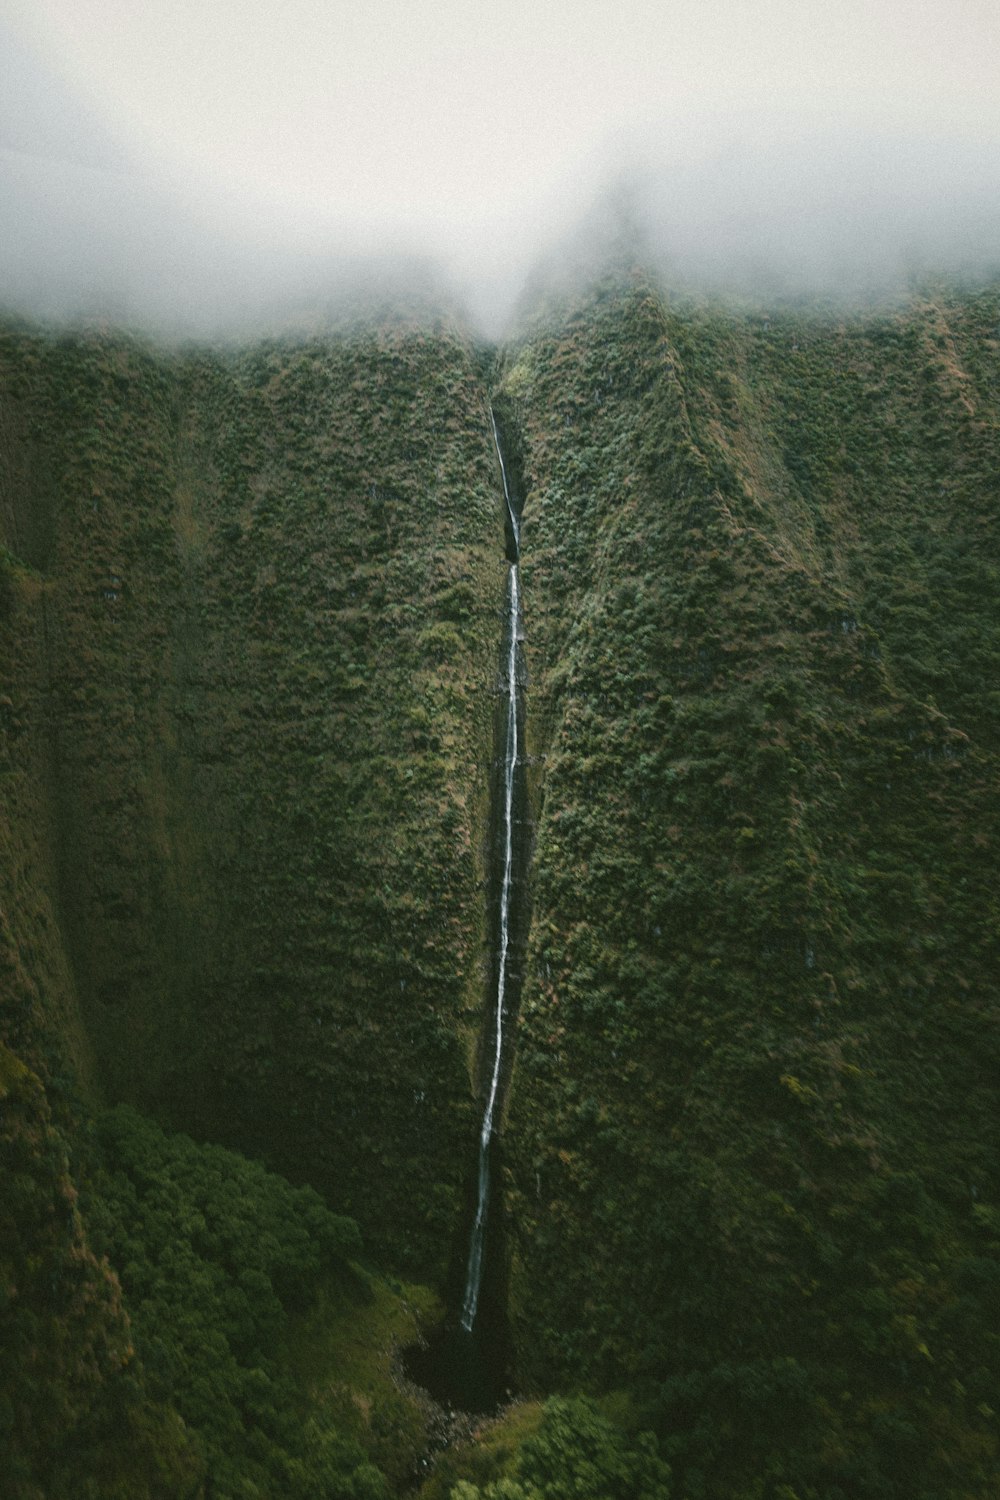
[
  {"x": 477, "y": 1241},
  {"x": 515, "y": 524},
  {"x": 466, "y": 1364}
]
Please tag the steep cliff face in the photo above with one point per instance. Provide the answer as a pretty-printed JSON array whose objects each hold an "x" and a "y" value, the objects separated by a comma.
[
  {"x": 343, "y": 578},
  {"x": 259, "y": 606},
  {"x": 752, "y": 1129},
  {"x": 250, "y": 621}
]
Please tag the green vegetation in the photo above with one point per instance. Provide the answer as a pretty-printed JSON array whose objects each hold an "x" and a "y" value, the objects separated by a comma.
[
  {"x": 69, "y": 1400},
  {"x": 213, "y": 1254},
  {"x": 258, "y": 592},
  {"x": 249, "y": 636},
  {"x": 224, "y": 1266},
  {"x": 577, "y": 1454},
  {"x": 751, "y": 1123},
  {"x": 257, "y": 1355},
  {"x": 247, "y": 640}
]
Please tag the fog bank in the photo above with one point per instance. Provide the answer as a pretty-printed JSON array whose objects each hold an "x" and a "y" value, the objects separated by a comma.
[{"x": 196, "y": 175}]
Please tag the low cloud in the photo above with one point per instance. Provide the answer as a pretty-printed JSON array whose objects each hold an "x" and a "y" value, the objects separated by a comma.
[{"x": 91, "y": 226}]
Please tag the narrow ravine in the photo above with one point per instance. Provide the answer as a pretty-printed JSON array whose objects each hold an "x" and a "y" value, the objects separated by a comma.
[
  {"x": 465, "y": 1365},
  {"x": 477, "y": 1240}
]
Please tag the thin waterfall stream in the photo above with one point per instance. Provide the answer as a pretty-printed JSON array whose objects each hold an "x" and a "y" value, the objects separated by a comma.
[
  {"x": 464, "y": 1365},
  {"x": 474, "y": 1269}
]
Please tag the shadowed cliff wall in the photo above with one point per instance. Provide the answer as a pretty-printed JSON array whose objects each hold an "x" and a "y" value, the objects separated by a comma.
[{"x": 253, "y": 606}]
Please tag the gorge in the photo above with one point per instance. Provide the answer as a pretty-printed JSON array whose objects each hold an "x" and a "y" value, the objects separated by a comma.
[
  {"x": 252, "y": 876},
  {"x": 503, "y": 1008},
  {"x": 467, "y": 1366}
]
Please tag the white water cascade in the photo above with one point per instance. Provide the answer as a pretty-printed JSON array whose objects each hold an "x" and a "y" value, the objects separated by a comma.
[{"x": 477, "y": 1241}]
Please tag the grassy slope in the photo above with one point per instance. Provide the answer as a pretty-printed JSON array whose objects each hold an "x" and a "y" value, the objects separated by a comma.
[{"x": 753, "y": 1121}]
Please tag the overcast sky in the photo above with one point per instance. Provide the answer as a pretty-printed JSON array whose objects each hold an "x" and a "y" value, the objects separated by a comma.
[{"x": 157, "y": 149}]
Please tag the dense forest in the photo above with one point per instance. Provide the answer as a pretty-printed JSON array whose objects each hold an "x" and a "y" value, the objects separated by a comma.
[{"x": 251, "y": 609}]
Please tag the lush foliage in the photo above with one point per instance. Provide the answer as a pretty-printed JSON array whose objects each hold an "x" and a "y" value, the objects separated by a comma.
[
  {"x": 249, "y": 628},
  {"x": 75, "y": 1415},
  {"x": 249, "y": 641},
  {"x": 577, "y": 1454},
  {"x": 749, "y": 1133},
  {"x": 213, "y": 1253}
]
